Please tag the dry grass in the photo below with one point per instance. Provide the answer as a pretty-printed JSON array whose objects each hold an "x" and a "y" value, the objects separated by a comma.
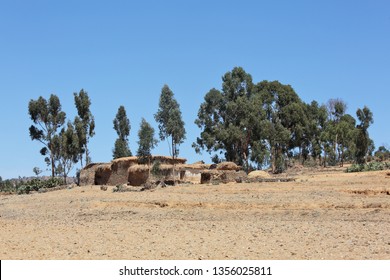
[
  {"x": 323, "y": 215},
  {"x": 259, "y": 174}
]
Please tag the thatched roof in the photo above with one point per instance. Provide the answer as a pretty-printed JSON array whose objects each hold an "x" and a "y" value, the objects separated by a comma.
[
  {"x": 94, "y": 165},
  {"x": 154, "y": 158},
  {"x": 169, "y": 159},
  {"x": 194, "y": 166},
  {"x": 138, "y": 168},
  {"x": 227, "y": 165},
  {"x": 104, "y": 167}
]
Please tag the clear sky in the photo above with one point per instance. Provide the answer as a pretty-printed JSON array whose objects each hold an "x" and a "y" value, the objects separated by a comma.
[{"x": 123, "y": 52}]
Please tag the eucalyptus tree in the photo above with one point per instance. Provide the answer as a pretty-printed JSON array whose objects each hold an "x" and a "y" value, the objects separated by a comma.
[
  {"x": 362, "y": 139},
  {"x": 170, "y": 122},
  {"x": 146, "y": 143},
  {"x": 284, "y": 120},
  {"x": 231, "y": 120},
  {"x": 122, "y": 127},
  {"x": 346, "y": 132},
  {"x": 48, "y": 119},
  {"x": 66, "y": 150},
  {"x": 84, "y": 124},
  {"x": 317, "y": 116}
]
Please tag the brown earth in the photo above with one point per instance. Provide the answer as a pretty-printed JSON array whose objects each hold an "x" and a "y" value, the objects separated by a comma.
[{"x": 325, "y": 214}]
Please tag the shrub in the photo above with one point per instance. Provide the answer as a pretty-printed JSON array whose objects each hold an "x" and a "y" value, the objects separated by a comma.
[
  {"x": 355, "y": 168},
  {"x": 372, "y": 166},
  {"x": 21, "y": 187},
  {"x": 156, "y": 169}
]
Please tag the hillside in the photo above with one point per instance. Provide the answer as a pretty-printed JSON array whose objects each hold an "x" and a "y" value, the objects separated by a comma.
[{"x": 326, "y": 214}]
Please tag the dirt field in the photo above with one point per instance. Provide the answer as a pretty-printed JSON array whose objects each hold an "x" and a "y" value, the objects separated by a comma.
[{"x": 323, "y": 215}]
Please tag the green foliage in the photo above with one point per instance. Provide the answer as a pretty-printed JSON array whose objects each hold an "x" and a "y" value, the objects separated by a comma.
[
  {"x": 156, "y": 169},
  {"x": 146, "y": 142},
  {"x": 382, "y": 153},
  {"x": 37, "y": 171},
  {"x": 122, "y": 128},
  {"x": 267, "y": 123},
  {"x": 372, "y": 166},
  {"x": 170, "y": 121},
  {"x": 121, "y": 149},
  {"x": 231, "y": 120},
  {"x": 119, "y": 188},
  {"x": 84, "y": 124},
  {"x": 25, "y": 187},
  {"x": 48, "y": 118},
  {"x": 362, "y": 139},
  {"x": 67, "y": 149}
]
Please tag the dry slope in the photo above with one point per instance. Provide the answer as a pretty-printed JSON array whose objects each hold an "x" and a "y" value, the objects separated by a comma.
[{"x": 323, "y": 215}]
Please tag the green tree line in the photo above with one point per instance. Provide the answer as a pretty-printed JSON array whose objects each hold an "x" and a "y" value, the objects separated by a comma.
[
  {"x": 255, "y": 125},
  {"x": 267, "y": 123}
]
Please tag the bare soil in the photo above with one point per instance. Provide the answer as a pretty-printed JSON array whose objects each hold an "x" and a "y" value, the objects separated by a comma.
[{"x": 325, "y": 214}]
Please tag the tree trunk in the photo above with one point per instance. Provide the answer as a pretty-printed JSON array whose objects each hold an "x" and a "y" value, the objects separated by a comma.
[
  {"x": 149, "y": 167},
  {"x": 86, "y": 154},
  {"x": 52, "y": 162},
  {"x": 273, "y": 160},
  {"x": 173, "y": 166}
]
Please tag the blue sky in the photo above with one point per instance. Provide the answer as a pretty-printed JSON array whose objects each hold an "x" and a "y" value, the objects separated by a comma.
[{"x": 123, "y": 52}]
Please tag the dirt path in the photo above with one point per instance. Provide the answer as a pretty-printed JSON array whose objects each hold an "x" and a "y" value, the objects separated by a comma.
[{"x": 327, "y": 215}]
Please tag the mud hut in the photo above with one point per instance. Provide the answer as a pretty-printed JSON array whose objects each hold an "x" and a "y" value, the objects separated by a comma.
[
  {"x": 103, "y": 174},
  {"x": 88, "y": 173}
]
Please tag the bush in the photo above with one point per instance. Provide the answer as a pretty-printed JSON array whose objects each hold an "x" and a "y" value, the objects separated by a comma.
[
  {"x": 372, "y": 166},
  {"x": 36, "y": 184},
  {"x": 355, "y": 168},
  {"x": 52, "y": 183},
  {"x": 156, "y": 169}
]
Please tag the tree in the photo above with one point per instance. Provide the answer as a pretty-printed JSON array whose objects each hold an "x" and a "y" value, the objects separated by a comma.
[
  {"x": 37, "y": 171},
  {"x": 336, "y": 110},
  {"x": 48, "y": 118},
  {"x": 122, "y": 128},
  {"x": 170, "y": 123},
  {"x": 317, "y": 116},
  {"x": 282, "y": 126},
  {"x": 382, "y": 153},
  {"x": 67, "y": 150},
  {"x": 345, "y": 131},
  {"x": 362, "y": 140},
  {"x": 231, "y": 121},
  {"x": 84, "y": 124},
  {"x": 146, "y": 143}
]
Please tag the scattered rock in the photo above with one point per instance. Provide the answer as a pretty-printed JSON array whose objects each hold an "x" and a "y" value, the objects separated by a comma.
[{"x": 103, "y": 188}]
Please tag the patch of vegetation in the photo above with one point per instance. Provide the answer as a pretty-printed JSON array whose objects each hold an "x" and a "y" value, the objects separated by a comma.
[
  {"x": 25, "y": 187},
  {"x": 156, "y": 169},
  {"x": 372, "y": 166}
]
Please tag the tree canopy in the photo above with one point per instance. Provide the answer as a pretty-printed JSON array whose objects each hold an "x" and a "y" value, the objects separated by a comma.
[
  {"x": 170, "y": 122},
  {"x": 48, "y": 117},
  {"x": 122, "y": 128},
  {"x": 256, "y": 124},
  {"x": 84, "y": 124},
  {"x": 146, "y": 142}
]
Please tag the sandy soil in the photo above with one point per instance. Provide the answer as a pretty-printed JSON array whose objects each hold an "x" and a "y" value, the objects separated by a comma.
[{"x": 323, "y": 215}]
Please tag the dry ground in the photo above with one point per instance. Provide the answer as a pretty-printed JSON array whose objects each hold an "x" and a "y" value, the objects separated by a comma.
[{"x": 323, "y": 215}]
